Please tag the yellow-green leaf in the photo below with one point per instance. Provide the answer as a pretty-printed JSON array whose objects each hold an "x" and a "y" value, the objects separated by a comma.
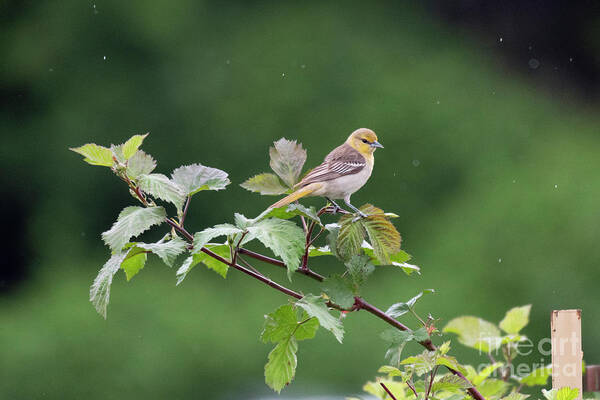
[{"x": 95, "y": 155}]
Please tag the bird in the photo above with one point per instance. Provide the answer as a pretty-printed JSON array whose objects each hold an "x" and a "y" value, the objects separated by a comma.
[{"x": 345, "y": 170}]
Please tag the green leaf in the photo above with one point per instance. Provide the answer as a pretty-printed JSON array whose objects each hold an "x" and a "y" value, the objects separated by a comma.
[
  {"x": 538, "y": 377},
  {"x": 450, "y": 383},
  {"x": 444, "y": 348},
  {"x": 421, "y": 334},
  {"x": 283, "y": 323},
  {"x": 565, "y": 393},
  {"x": 422, "y": 363},
  {"x": 359, "y": 269},
  {"x": 475, "y": 332},
  {"x": 95, "y": 155},
  {"x": 134, "y": 262},
  {"x": 265, "y": 184},
  {"x": 196, "y": 177},
  {"x": 161, "y": 187},
  {"x": 493, "y": 388},
  {"x": 284, "y": 238},
  {"x": 166, "y": 250},
  {"x": 132, "y": 145},
  {"x": 383, "y": 236},
  {"x": 131, "y": 222},
  {"x": 287, "y": 159},
  {"x": 516, "y": 396},
  {"x": 205, "y": 236},
  {"x": 349, "y": 239},
  {"x": 486, "y": 372},
  {"x": 398, "y": 259},
  {"x": 391, "y": 371},
  {"x": 291, "y": 211},
  {"x": 140, "y": 164},
  {"x": 208, "y": 261},
  {"x": 281, "y": 367},
  {"x": 339, "y": 291},
  {"x": 100, "y": 289},
  {"x": 397, "y": 340},
  {"x": 315, "y": 307},
  {"x": 450, "y": 362},
  {"x": 399, "y": 309},
  {"x": 396, "y": 387},
  {"x": 515, "y": 319}
]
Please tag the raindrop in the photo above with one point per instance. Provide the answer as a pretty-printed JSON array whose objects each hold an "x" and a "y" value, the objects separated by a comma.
[
  {"x": 570, "y": 59},
  {"x": 501, "y": 40},
  {"x": 303, "y": 66},
  {"x": 555, "y": 186},
  {"x": 534, "y": 63},
  {"x": 514, "y": 181},
  {"x": 416, "y": 163},
  {"x": 283, "y": 74},
  {"x": 95, "y": 10},
  {"x": 104, "y": 58},
  {"x": 499, "y": 260},
  {"x": 51, "y": 69}
]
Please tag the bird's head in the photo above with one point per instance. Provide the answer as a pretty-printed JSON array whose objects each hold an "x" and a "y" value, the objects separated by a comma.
[{"x": 364, "y": 140}]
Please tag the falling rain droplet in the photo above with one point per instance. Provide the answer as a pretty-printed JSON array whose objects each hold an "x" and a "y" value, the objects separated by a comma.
[
  {"x": 283, "y": 74},
  {"x": 555, "y": 186},
  {"x": 303, "y": 66},
  {"x": 104, "y": 58},
  {"x": 437, "y": 102},
  {"x": 501, "y": 40},
  {"x": 570, "y": 59},
  {"x": 416, "y": 163},
  {"x": 499, "y": 260},
  {"x": 514, "y": 181}
]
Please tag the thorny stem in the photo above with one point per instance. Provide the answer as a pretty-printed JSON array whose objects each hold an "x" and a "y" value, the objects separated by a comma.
[
  {"x": 359, "y": 303},
  {"x": 387, "y": 390}
]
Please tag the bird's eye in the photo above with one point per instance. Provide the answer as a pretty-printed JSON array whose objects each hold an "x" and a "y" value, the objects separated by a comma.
[{"x": 365, "y": 141}]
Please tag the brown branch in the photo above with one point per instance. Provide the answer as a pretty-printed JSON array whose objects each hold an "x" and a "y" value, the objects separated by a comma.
[
  {"x": 388, "y": 391},
  {"x": 273, "y": 261}
]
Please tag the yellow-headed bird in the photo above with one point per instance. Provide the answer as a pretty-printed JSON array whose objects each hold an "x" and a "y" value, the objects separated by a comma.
[{"x": 345, "y": 170}]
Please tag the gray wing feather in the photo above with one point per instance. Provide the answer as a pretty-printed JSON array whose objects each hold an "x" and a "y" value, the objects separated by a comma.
[{"x": 343, "y": 160}]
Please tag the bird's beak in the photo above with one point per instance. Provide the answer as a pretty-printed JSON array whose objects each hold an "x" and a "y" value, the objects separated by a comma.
[{"x": 376, "y": 144}]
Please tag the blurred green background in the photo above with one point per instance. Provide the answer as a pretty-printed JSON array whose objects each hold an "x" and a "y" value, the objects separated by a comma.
[{"x": 492, "y": 166}]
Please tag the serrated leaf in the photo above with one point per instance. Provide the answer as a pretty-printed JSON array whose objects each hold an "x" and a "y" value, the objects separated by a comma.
[
  {"x": 359, "y": 268},
  {"x": 349, "y": 238},
  {"x": 201, "y": 257},
  {"x": 140, "y": 164},
  {"x": 399, "y": 309},
  {"x": 161, "y": 187},
  {"x": 450, "y": 383},
  {"x": 398, "y": 259},
  {"x": 292, "y": 210},
  {"x": 397, "y": 340},
  {"x": 422, "y": 363},
  {"x": 382, "y": 234},
  {"x": 132, "y": 145},
  {"x": 485, "y": 373},
  {"x": 287, "y": 159},
  {"x": 565, "y": 393},
  {"x": 131, "y": 222},
  {"x": 283, "y": 237},
  {"x": 339, "y": 291},
  {"x": 95, "y": 154},
  {"x": 475, "y": 332},
  {"x": 205, "y": 236},
  {"x": 167, "y": 251},
  {"x": 421, "y": 334},
  {"x": 134, "y": 262},
  {"x": 538, "y": 377},
  {"x": 515, "y": 319},
  {"x": 282, "y": 323},
  {"x": 281, "y": 367},
  {"x": 315, "y": 307},
  {"x": 100, "y": 289},
  {"x": 196, "y": 177},
  {"x": 493, "y": 388},
  {"x": 265, "y": 184},
  {"x": 450, "y": 362},
  {"x": 516, "y": 396}
]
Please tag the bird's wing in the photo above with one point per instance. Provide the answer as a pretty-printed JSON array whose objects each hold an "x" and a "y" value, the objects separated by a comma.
[{"x": 343, "y": 160}]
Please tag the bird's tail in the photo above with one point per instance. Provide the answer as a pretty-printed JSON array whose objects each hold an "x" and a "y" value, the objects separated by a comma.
[{"x": 305, "y": 191}]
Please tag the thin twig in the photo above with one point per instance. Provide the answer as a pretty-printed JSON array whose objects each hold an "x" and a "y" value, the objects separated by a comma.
[
  {"x": 410, "y": 385},
  {"x": 387, "y": 390},
  {"x": 433, "y": 372},
  {"x": 185, "y": 209}
]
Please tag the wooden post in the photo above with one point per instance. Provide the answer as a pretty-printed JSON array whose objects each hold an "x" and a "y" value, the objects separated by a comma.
[{"x": 566, "y": 350}]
